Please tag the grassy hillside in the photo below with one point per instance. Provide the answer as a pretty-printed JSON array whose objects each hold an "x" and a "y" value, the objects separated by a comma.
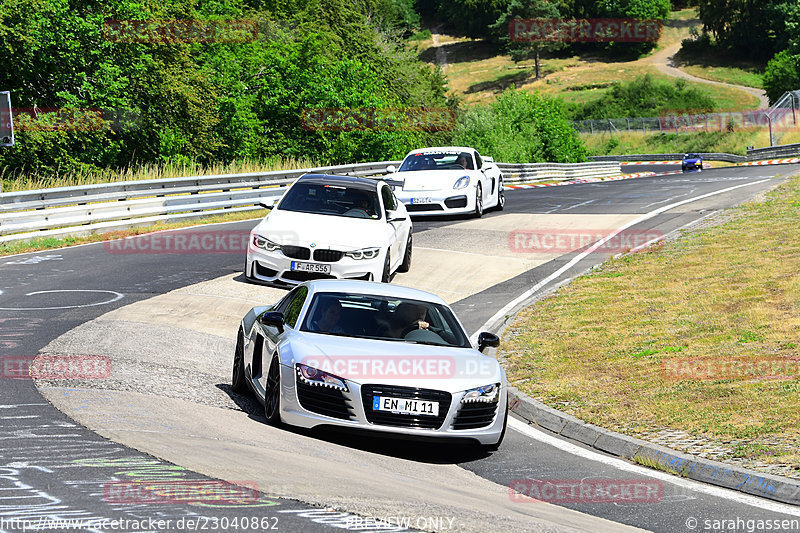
[{"x": 476, "y": 73}]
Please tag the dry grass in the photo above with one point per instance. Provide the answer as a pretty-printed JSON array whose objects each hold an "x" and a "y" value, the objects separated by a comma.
[
  {"x": 597, "y": 348},
  {"x": 27, "y": 181}
]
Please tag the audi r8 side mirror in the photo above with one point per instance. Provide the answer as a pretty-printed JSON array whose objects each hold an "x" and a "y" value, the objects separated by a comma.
[
  {"x": 391, "y": 217},
  {"x": 486, "y": 340},
  {"x": 272, "y": 319},
  {"x": 391, "y": 169}
]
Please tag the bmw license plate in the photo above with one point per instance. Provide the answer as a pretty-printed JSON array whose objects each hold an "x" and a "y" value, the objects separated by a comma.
[
  {"x": 404, "y": 406},
  {"x": 422, "y": 200},
  {"x": 316, "y": 268}
]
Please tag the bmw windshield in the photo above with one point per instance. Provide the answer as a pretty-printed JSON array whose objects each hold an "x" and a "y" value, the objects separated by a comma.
[{"x": 323, "y": 199}]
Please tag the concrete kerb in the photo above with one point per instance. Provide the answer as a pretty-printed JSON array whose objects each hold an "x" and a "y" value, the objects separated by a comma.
[{"x": 732, "y": 477}]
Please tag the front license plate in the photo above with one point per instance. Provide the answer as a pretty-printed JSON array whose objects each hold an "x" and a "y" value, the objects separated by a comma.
[
  {"x": 422, "y": 200},
  {"x": 316, "y": 268},
  {"x": 405, "y": 407}
]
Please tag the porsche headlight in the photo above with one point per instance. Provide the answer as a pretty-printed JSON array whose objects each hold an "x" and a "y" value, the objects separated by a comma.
[
  {"x": 462, "y": 182},
  {"x": 319, "y": 378},
  {"x": 364, "y": 253},
  {"x": 264, "y": 243},
  {"x": 487, "y": 394}
]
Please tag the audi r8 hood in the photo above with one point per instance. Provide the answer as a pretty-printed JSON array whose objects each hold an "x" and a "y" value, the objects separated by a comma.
[
  {"x": 397, "y": 363},
  {"x": 324, "y": 231},
  {"x": 431, "y": 180}
]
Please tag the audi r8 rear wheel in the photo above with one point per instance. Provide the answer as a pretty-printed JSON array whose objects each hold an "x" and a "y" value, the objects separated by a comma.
[
  {"x": 272, "y": 394},
  {"x": 238, "y": 380},
  {"x": 406, "y": 265},
  {"x": 478, "y": 202}
]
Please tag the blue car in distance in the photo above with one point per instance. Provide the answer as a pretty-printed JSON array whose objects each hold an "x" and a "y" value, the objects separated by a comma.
[{"x": 692, "y": 162}]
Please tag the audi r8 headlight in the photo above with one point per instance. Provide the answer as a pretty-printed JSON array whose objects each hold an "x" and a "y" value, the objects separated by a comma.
[
  {"x": 319, "y": 378},
  {"x": 487, "y": 394},
  {"x": 265, "y": 244},
  {"x": 364, "y": 253},
  {"x": 462, "y": 182}
]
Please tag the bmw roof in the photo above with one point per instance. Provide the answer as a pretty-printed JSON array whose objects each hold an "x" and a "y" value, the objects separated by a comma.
[{"x": 340, "y": 181}]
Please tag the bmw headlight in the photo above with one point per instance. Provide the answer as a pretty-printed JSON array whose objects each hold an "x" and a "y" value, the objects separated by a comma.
[
  {"x": 487, "y": 394},
  {"x": 264, "y": 244},
  {"x": 364, "y": 253},
  {"x": 462, "y": 182},
  {"x": 319, "y": 378}
]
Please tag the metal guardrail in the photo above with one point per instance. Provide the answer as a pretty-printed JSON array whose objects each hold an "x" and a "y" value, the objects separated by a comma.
[
  {"x": 515, "y": 173},
  {"x": 774, "y": 152},
  {"x": 88, "y": 209},
  {"x": 713, "y": 156}
]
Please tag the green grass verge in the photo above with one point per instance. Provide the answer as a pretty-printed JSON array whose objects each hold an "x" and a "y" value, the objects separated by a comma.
[{"x": 600, "y": 348}]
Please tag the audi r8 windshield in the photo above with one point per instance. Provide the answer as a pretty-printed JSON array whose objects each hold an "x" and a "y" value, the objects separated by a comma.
[{"x": 384, "y": 318}]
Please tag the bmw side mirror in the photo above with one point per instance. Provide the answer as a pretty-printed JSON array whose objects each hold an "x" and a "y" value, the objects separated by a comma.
[
  {"x": 487, "y": 340},
  {"x": 273, "y": 319},
  {"x": 391, "y": 169},
  {"x": 269, "y": 203}
]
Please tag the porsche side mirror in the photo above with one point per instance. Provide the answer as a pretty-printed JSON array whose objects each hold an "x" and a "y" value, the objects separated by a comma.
[
  {"x": 391, "y": 169},
  {"x": 486, "y": 340},
  {"x": 272, "y": 319}
]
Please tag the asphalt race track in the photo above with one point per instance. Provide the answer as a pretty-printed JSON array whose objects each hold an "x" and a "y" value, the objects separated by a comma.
[{"x": 166, "y": 324}]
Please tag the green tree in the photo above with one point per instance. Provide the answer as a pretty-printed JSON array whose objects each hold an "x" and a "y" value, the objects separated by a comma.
[
  {"x": 522, "y": 46},
  {"x": 521, "y": 127},
  {"x": 782, "y": 74}
]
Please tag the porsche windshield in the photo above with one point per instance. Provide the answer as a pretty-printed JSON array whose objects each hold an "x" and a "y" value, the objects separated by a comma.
[
  {"x": 384, "y": 318},
  {"x": 437, "y": 161},
  {"x": 323, "y": 199}
]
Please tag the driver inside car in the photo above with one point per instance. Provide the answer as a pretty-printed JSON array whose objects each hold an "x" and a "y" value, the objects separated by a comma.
[{"x": 408, "y": 317}]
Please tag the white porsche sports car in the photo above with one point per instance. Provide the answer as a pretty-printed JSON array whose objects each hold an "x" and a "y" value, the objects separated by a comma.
[
  {"x": 331, "y": 227},
  {"x": 362, "y": 355},
  {"x": 447, "y": 180}
]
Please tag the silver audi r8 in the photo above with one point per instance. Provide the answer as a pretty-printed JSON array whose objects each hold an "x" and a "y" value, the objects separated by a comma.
[{"x": 356, "y": 354}]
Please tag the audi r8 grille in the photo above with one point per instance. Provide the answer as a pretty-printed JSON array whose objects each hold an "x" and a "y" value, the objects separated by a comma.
[
  {"x": 424, "y": 207},
  {"x": 296, "y": 252},
  {"x": 324, "y": 401},
  {"x": 456, "y": 202},
  {"x": 475, "y": 415},
  {"x": 327, "y": 256},
  {"x": 385, "y": 418}
]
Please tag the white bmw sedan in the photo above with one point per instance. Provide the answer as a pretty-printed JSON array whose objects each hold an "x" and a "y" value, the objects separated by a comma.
[
  {"x": 448, "y": 180},
  {"x": 371, "y": 356},
  {"x": 327, "y": 227}
]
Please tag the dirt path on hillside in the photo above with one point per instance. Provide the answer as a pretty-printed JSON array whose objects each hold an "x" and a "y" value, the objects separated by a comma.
[
  {"x": 441, "y": 55},
  {"x": 664, "y": 61}
]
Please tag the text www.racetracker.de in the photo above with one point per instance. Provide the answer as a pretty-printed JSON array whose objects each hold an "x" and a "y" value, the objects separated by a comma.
[{"x": 198, "y": 523}]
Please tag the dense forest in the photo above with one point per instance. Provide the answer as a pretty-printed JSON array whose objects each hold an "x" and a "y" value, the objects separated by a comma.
[{"x": 240, "y": 81}]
